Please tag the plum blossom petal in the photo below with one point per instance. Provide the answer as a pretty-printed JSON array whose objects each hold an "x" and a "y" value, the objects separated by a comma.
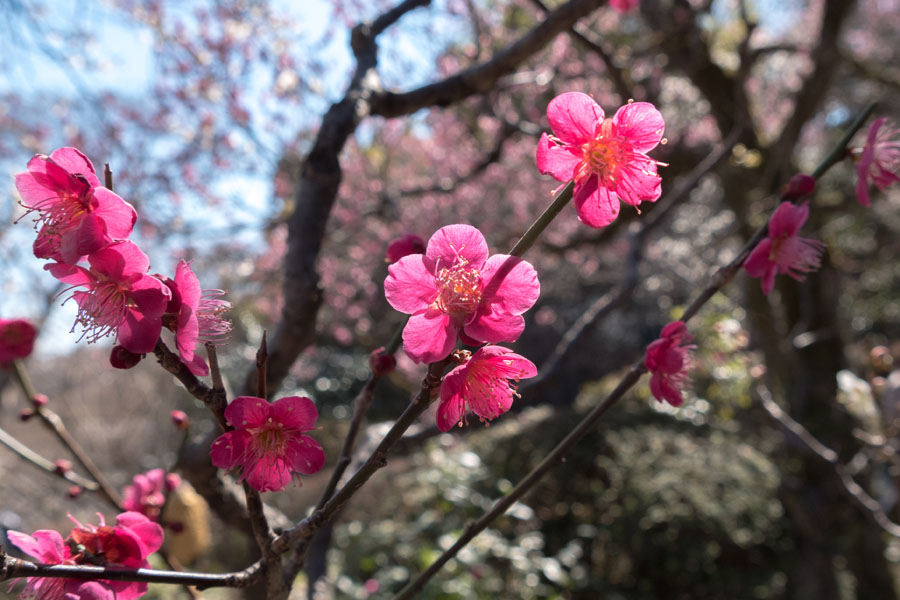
[
  {"x": 573, "y": 117},
  {"x": 510, "y": 283},
  {"x": 668, "y": 360},
  {"x": 455, "y": 243},
  {"x": 410, "y": 285},
  {"x": 558, "y": 161},
  {"x": 429, "y": 336},
  {"x": 596, "y": 205},
  {"x": 878, "y": 161}
]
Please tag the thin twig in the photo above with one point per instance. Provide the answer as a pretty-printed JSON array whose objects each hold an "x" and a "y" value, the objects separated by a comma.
[
  {"x": 262, "y": 357},
  {"x": 42, "y": 463}
]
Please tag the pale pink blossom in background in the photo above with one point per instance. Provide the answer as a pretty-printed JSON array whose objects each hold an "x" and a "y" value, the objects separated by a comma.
[
  {"x": 408, "y": 244},
  {"x": 483, "y": 385},
  {"x": 783, "y": 252},
  {"x": 120, "y": 298},
  {"x": 16, "y": 340},
  {"x": 267, "y": 445},
  {"x": 606, "y": 158},
  {"x": 78, "y": 216},
  {"x": 879, "y": 160},
  {"x": 147, "y": 492},
  {"x": 668, "y": 360},
  {"x": 455, "y": 289}
]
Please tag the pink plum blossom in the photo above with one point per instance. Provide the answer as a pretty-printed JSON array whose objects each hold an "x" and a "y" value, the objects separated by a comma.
[
  {"x": 879, "y": 160},
  {"x": 456, "y": 289},
  {"x": 607, "y": 158},
  {"x": 624, "y": 6},
  {"x": 783, "y": 252},
  {"x": 147, "y": 492},
  {"x": 16, "y": 340},
  {"x": 482, "y": 385},
  {"x": 267, "y": 445},
  {"x": 668, "y": 360},
  {"x": 120, "y": 297},
  {"x": 199, "y": 316},
  {"x": 127, "y": 544},
  {"x": 78, "y": 216},
  {"x": 408, "y": 244}
]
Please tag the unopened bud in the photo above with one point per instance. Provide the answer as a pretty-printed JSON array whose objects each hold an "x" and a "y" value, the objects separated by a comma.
[
  {"x": 798, "y": 186},
  {"x": 39, "y": 400},
  {"x": 62, "y": 466},
  {"x": 381, "y": 362},
  {"x": 172, "y": 481},
  {"x": 75, "y": 491},
  {"x": 121, "y": 358},
  {"x": 25, "y": 414},
  {"x": 408, "y": 244},
  {"x": 175, "y": 526},
  {"x": 180, "y": 419}
]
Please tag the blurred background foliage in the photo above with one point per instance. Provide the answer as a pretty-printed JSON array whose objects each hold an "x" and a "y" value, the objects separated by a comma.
[{"x": 206, "y": 111}]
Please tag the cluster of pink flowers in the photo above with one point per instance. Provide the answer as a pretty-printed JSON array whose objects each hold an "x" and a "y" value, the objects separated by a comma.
[
  {"x": 668, "y": 360},
  {"x": 267, "y": 446},
  {"x": 127, "y": 544},
  {"x": 16, "y": 340},
  {"x": 80, "y": 221},
  {"x": 147, "y": 492}
]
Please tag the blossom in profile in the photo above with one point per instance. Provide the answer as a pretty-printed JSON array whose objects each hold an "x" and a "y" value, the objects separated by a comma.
[
  {"x": 879, "y": 160},
  {"x": 77, "y": 215},
  {"x": 455, "y": 289},
  {"x": 408, "y": 244},
  {"x": 267, "y": 445},
  {"x": 127, "y": 544},
  {"x": 485, "y": 384},
  {"x": 606, "y": 158},
  {"x": 668, "y": 360},
  {"x": 147, "y": 492},
  {"x": 16, "y": 340},
  {"x": 119, "y": 297},
  {"x": 199, "y": 316},
  {"x": 784, "y": 252}
]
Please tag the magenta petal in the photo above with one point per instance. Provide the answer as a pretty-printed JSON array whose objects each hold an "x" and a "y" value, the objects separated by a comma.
[
  {"x": 494, "y": 326},
  {"x": 305, "y": 455},
  {"x": 229, "y": 449},
  {"x": 409, "y": 286},
  {"x": 46, "y": 545},
  {"x": 457, "y": 241},
  {"x": 151, "y": 295},
  {"x": 758, "y": 261},
  {"x": 295, "y": 411},
  {"x": 452, "y": 405},
  {"x": 74, "y": 161},
  {"x": 862, "y": 191},
  {"x": 139, "y": 333},
  {"x": 788, "y": 219},
  {"x": 269, "y": 474},
  {"x": 596, "y": 206},
  {"x": 33, "y": 192},
  {"x": 187, "y": 333},
  {"x": 118, "y": 215},
  {"x": 574, "y": 116},
  {"x": 92, "y": 590},
  {"x": 557, "y": 161},
  {"x": 429, "y": 337},
  {"x": 188, "y": 285},
  {"x": 88, "y": 237},
  {"x": 119, "y": 259},
  {"x": 148, "y": 533},
  {"x": 641, "y": 124},
  {"x": 247, "y": 411},
  {"x": 510, "y": 283},
  {"x": 638, "y": 181},
  {"x": 197, "y": 366},
  {"x": 71, "y": 274}
]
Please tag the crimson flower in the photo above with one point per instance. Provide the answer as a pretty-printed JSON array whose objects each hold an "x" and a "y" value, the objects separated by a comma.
[
  {"x": 482, "y": 385},
  {"x": 267, "y": 445},
  {"x": 199, "y": 316},
  {"x": 879, "y": 160},
  {"x": 128, "y": 544},
  {"x": 783, "y": 252},
  {"x": 456, "y": 289},
  {"x": 607, "y": 158},
  {"x": 120, "y": 296},
  {"x": 78, "y": 215},
  {"x": 16, "y": 340},
  {"x": 668, "y": 360}
]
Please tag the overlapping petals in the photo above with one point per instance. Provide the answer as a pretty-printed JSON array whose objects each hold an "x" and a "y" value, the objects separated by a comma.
[
  {"x": 879, "y": 160},
  {"x": 668, "y": 360}
]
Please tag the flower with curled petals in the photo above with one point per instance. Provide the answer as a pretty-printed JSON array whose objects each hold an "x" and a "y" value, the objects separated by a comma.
[
  {"x": 784, "y": 252},
  {"x": 78, "y": 216},
  {"x": 455, "y": 289},
  {"x": 482, "y": 385},
  {"x": 606, "y": 158},
  {"x": 267, "y": 445},
  {"x": 668, "y": 360},
  {"x": 879, "y": 160},
  {"x": 119, "y": 297}
]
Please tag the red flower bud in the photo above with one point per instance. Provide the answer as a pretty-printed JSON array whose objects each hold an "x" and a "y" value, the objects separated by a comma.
[
  {"x": 39, "y": 400},
  {"x": 180, "y": 419},
  {"x": 381, "y": 362},
  {"x": 75, "y": 491},
  {"x": 62, "y": 466},
  {"x": 25, "y": 414},
  {"x": 408, "y": 244},
  {"x": 121, "y": 358},
  {"x": 798, "y": 186}
]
